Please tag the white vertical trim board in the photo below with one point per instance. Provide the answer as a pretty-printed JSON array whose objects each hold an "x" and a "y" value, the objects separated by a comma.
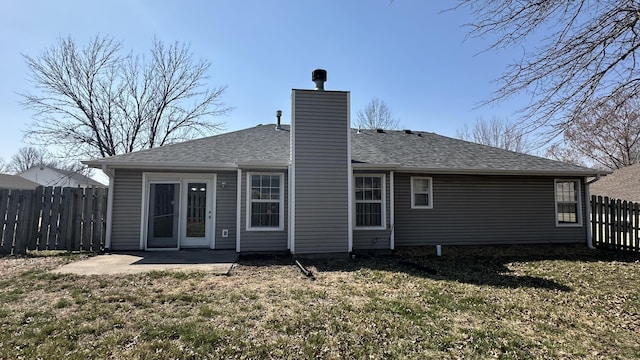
[
  {"x": 292, "y": 178},
  {"x": 238, "y": 208},
  {"x": 143, "y": 211},
  {"x": 289, "y": 208},
  {"x": 392, "y": 214},
  {"x": 112, "y": 178},
  {"x": 350, "y": 176},
  {"x": 214, "y": 217}
]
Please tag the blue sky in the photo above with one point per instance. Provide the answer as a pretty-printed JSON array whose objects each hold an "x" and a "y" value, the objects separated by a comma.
[{"x": 405, "y": 52}]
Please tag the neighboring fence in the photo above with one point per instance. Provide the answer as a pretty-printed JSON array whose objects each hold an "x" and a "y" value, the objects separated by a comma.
[
  {"x": 72, "y": 219},
  {"x": 615, "y": 224}
]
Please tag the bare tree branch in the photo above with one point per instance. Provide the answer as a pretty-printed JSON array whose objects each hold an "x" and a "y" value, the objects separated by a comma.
[
  {"x": 376, "y": 115},
  {"x": 96, "y": 102},
  {"x": 606, "y": 133},
  {"x": 497, "y": 133},
  {"x": 590, "y": 53}
]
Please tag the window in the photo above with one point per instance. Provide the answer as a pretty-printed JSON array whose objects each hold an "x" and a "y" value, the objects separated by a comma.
[
  {"x": 265, "y": 201},
  {"x": 568, "y": 202},
  {"x": 421, "y": 191},
  {"x": 370, "y": 198}
]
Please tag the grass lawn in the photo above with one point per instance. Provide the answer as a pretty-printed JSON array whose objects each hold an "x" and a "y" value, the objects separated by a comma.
[{"x": 490, "y": 302}]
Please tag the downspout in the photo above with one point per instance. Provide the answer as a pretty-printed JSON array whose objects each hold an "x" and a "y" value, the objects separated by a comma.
[
  {"x": 588, "y": 211},
  {"x": 111, "y": 174}
]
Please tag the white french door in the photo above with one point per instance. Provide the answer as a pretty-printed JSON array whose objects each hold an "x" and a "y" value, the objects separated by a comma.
[
  {"x": 197, "y": 214},
  {"x": 180, "y": 211}
]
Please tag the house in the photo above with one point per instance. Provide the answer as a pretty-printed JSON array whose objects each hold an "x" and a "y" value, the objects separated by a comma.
[
  {"x": 622, "y": 184},
  {"x": 50, "y": 176},
  {"x": 319, "y": 186},
  {"x": 15, "y": 182}
]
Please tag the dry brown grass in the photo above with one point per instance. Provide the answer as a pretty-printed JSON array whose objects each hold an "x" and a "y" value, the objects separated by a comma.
[{"x": 504, "y": 302}]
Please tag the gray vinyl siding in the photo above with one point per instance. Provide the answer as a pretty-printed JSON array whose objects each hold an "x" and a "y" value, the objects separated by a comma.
[
  {"x": 269, "y": 240},
  {"x": 375, "y": 239},
  {"x": 127, "y": 198},
  {"x": 483, "y": 210},
  {"x": 226, "y": 199},
  {"x": 320, "y": 129}
]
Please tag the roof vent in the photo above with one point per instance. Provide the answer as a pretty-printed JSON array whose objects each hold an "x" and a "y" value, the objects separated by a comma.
[
  {"x": 407, "y": 131},
  {"x": 278, "y": 115},
  {"x": 319, "y": 76},
  {"x": 380, "y": 131}
]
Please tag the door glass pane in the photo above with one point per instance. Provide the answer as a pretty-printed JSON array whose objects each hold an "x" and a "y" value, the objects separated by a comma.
[
  {"x": 196, "y": 209},
  {"x": 162, "y": 229}
]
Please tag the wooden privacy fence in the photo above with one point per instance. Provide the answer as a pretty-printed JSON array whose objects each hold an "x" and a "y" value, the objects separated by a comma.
[
  {"x": 615, "y": 224},
  {"x": 52, "y": 218}
]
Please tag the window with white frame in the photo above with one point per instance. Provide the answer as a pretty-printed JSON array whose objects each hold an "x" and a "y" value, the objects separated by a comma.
[
  {"x": 369, "y": 201},
  {"x": 421, "y": 192},
  {"x": 265, "y": 201},
  {"x": 568, "y": 202}
]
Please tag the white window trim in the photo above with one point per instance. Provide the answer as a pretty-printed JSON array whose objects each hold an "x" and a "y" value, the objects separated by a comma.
[
  {"x": 281, "y": 201},
  {"x": 555, "y": 201},
  {"x": 384, "y": 203},
  {"x": 413, "y": 199}
]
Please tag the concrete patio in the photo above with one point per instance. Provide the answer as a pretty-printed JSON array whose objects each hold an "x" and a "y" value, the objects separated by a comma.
[{"x": 217, "y": 262}]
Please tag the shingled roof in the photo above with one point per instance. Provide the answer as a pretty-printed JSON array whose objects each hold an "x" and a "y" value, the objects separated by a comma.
[
  {"x": 393, "y": 150},
  {"x": 16, "y": 182},
  {"x": 623, "y": 184}
]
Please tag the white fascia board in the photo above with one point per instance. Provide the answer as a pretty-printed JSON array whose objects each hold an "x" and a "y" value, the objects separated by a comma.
[
  {"x": 159, "y": 165},
  {"x": 262, "y": 165},
  {"x": 499, "y": 172},
  {"x": 369, "y": 166}
]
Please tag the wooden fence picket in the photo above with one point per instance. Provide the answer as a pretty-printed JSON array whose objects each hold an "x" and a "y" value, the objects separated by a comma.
[
  {"x": 615, "y": 224},
  {"x": 71, "y": 219}
]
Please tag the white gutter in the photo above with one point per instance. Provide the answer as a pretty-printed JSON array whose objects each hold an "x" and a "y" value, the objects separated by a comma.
[
  {"x": 111, "y": 174},
  {"x": 456, "y": 171},
  {"x": 160, "y": 165},
  {"x": 262, "y": 165}
]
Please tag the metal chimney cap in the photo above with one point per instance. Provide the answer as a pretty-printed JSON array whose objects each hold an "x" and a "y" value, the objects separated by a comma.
[{"x": 319, "y": 76}]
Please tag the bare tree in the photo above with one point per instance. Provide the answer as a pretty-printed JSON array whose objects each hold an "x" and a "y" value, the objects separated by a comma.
[
  {"x": 4, "y": 167},
  {"x": 497, "y": 133},
  {"x": 376, "y": 115},
  {"x": 96, "y": 102},
  {"x": 560, "y": 152},
  {"x": 607, "y": 133},
  {"x": 589, "y": 54},
  {"x": 28, "y": 157}
]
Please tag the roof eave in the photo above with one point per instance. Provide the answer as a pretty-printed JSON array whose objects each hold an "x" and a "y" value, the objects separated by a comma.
[
  {"x": 149, "y": 165},
  {"x": 154, "y": 165},
  {"x": 456, "y": 171}
]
